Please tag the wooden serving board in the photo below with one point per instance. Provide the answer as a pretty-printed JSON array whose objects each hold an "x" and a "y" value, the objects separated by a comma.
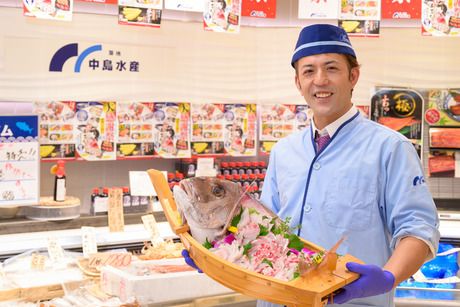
[{"x": 312, "y": 290}]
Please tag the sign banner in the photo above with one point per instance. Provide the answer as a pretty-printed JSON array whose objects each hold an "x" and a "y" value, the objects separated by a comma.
[
  {"x": 259, "y": 8},
  {"x": 140, "y": 13},
  {"x": 48, "y": 9},
  {"x": 441, "y": 18},
  {"x": 95, "y": 130},
  {"x": 399, "y": 109},
  {"x": 171, "y": 129},
  {"x": 280, "y": 120},
  {"x": 401, "y": 9},
  {"x": 318, "y": 9},
  {"x": 19, "y": 161},
  {"x": 222, "y": 15},
  {"x": 185, "y": 5}
]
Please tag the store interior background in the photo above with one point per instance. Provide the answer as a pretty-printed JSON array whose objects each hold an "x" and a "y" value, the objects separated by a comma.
[{"x": 187, "y": 64}]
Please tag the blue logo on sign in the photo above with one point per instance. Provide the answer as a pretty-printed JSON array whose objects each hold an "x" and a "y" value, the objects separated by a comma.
[
  {"x": 418, "y": 180},
  {"x": 68, "y": 51}
]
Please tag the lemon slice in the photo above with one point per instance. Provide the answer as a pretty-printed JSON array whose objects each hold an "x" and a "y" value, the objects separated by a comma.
[{"x": 53, "y": 169}]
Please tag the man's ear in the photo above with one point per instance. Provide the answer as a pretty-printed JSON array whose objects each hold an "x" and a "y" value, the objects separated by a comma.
[
  {"x": 354, "y": 75},
  {"x": 297, "y": 82}
]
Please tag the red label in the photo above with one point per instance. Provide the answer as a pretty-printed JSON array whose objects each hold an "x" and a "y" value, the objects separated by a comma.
[
  {"x": 259, "y": 8},
  {"x": 401, "y": 9}
]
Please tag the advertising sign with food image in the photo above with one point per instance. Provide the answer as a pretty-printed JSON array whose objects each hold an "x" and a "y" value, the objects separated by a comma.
[
  {"x": 171, "y": 129},
  {"x": 444, "y": 163},
  {"x": 441, "y": 17},
  {"x": 278, "y": 121},
  {"x": 400, "y": 109},
  {"x": 443, "y": 107},
  {"x": 222, "y": 15},
  {"x": 240, "y": 129},
  {"x": 318, "y": 9},
  {"x": 360, "y": 17},
  {"x": 56, "y": 136},
  {"x": 48, "y": 9},
  {"x": 135, "y": 129},
  {"x": 140, "y": 12},
  {"x": 95, "y": 130},
  {"x": 207, "y": 128}
]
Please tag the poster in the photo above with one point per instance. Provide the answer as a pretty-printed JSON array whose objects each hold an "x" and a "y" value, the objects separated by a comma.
[
  {"x": 56, "y": 129},
  {"x": 240, "y": 129},
  {"x": 207, "y": 128},
  {"x": 280, "y": 120},
  {"x": 318, "y": 9},
  {"x": 441, "y": 17},
  {"x": 135, "y": 129},
  {"x": 259, "y": 8},
  {"x": 401, "y": 9},
  {"x": 399, "y": 109},
  {"x": 444, "y": 163},
  {"x": 140, "y": 13},
  {"x": 95, "y": 130},
  {"x": 19, "y": 161},
  {"x": 48, "y": 9},
  {"x": 360, "y": 17},
  {"x": 171, "y": 129},
  {"x": 222, "y": 15},
  {"x": 185, "y": 5},
  {"x": 443, "y": 107}
]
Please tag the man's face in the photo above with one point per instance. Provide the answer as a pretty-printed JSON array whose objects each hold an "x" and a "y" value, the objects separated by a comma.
[{"x": 326, "y": 82}]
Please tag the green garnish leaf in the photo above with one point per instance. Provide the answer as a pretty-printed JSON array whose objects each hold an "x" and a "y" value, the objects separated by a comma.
[
  {"x": 207, "y": 244},
  {"x": 294, "y": 242},
  {"x": 267, "y": 262},
  {"x": 236, "y": 219},
  {"x": 263, "y": 230},
  {"x": 246, "y": 248}
]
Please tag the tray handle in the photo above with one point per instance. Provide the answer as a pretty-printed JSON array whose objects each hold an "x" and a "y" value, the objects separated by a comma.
[{"x": 167, "y": 201}]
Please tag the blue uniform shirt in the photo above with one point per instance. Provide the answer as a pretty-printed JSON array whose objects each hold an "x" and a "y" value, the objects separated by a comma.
[{"x": 366, "y": 184}]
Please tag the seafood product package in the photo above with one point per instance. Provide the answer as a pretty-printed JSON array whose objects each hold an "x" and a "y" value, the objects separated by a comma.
[
  {"x": 158, "y": 281},
  {"x": 244, "y": 246}
]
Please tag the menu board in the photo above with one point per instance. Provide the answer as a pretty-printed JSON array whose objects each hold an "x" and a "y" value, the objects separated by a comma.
[
  {"x": 171, "y": 129},
  {"x": 19, "y": 161},
  {"x": 278, "y": 121}
]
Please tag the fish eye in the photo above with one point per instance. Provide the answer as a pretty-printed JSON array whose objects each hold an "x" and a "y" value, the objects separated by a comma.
[{"x": 218, "y": 191}]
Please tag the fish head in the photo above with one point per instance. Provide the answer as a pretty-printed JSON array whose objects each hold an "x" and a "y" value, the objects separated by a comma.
[{"x": 207, "y": 202}]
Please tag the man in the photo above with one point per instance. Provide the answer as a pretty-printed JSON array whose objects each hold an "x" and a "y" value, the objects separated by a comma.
[{"x": 349, "y": 176}]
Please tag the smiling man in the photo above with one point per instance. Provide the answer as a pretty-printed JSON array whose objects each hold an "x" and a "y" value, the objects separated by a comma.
[{"x": 349, "y": 176}]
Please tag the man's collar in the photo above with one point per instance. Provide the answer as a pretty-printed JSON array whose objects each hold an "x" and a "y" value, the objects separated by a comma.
[{"x": 331, "y": 129}]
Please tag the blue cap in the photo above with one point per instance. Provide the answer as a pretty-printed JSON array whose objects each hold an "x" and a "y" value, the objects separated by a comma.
[{"x": 322, "y": 38}]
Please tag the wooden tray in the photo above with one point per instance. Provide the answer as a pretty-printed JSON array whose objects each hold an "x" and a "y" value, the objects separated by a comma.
[{"x": 313, "y": 290}]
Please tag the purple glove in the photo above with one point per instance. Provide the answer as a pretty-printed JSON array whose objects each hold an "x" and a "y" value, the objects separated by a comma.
[
  {"x": 373, "y": 281},
  {"x": 190, "y": 261}
]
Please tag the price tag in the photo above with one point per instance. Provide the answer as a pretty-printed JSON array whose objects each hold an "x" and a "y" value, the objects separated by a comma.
[
  {"x": 88, "y": 238},
  {"x": 116, "y": 217},
  {"x": 151, "y": 226},
  {"x": 37, "y": 262},
  {"x": 98, "y": 260},
  {"x": 205, "y": 167},
  {"x": 55, "y": 250}
]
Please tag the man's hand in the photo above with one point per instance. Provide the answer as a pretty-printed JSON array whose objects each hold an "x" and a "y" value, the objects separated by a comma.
[
  {"x": 190, "y": 261},
  {"x": 373, "y": 281}
]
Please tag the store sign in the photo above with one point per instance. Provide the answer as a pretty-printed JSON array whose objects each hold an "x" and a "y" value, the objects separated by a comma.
[{"x": 94, "y": 58}]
